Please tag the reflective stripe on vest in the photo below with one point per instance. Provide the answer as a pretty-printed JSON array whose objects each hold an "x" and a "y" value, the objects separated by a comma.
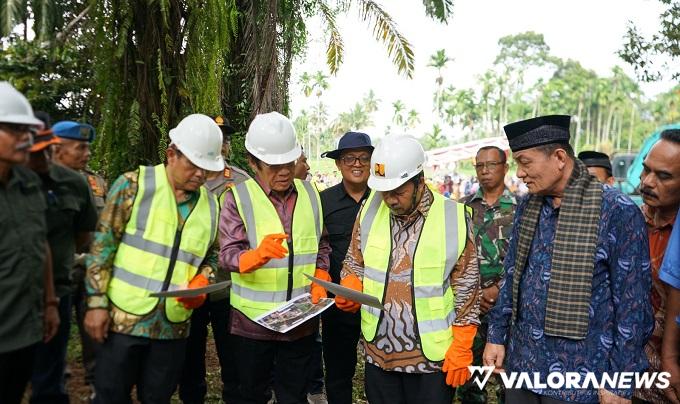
[
  {"x": 270, "y": 286},
  {"x": 441, "y": 242},
  {"x": 153, "y": 245}
]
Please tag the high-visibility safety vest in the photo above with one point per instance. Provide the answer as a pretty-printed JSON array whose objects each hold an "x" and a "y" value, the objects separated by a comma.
[
  {"x": 155, "y": 254},
  {"x": 440, "y": 243},
  {"x": 279, "y": 280}
]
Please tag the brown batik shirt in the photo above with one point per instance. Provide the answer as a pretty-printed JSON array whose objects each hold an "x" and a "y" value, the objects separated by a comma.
[{"x": 396, "y": 346}]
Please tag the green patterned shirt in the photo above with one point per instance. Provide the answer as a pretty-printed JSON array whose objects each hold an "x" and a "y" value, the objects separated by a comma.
[
  {"x": 492, "y": 230},
  {"x": 112, "y": 222}
]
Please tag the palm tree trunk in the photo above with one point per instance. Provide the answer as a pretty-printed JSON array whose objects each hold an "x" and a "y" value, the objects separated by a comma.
[
  {"x": 617, "y": 133},
  {"x": 609, "y": 125},
  {"x": 578, "y": 125},
  {"x": 598, "y": 132},
  {"x": 589, "y": 128}
]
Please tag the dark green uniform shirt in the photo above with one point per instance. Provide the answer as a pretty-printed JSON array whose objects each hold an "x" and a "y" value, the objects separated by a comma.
[
  {"x": 70, "y": 210},
  {"x": 22, "y": 260},
  {"x": 98, "y": 187}
]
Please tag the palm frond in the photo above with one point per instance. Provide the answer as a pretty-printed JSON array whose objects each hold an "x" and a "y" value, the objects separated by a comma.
[
  {"x": 335, "y": 50},
  {"x": 45, "y": 13},
  {"x": 10, "y": 12},
  {"x": 439, "y": 9},
  {"x": 385, "y": 30}
]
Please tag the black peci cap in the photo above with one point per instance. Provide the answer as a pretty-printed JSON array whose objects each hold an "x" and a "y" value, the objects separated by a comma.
[
  {"x": 595, "y": 159},
  {"x": 538, "y": 132}
]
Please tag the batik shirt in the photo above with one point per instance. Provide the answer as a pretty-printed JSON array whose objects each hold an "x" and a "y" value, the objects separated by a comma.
[
  {"x": 620, "y": 313},
  {"x": 659, "y": 234},
  {"x": 492, "y": 227},
  {"x": 396, "y": 346},
  {"x": 110, "y": 229}
]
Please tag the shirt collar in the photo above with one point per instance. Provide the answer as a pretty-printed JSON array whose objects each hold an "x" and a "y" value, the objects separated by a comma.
[
  {"x": 506, "y": 197},
  {"x": 649, "y": 211},
  {"x": 51, "y": 172},
  {"x": 344, "y": 194},
  {"x": 268, "y": 191},
  {"x": 421, "y": 209}
]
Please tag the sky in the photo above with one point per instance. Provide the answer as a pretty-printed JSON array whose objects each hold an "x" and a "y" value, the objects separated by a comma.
[{"x": 589, "y": 31}]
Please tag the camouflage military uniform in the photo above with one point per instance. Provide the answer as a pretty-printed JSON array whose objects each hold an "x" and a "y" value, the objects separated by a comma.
[
  {"x": 99, "y": 189},
  {"x": 492, "y": 230}
]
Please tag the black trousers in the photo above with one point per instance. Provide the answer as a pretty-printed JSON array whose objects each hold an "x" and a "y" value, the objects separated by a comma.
[
  {"x": 257, "y": 361},
  {"x": 15, "y": 372},
  {"x": 340, "y": 334},
  {"x": 385, "y": 387},
  {"x": 522, "y": 396},
  {"x": 152, "y": 365},
  {"x": 79, "y": 301},
  {"x": 47, "y": 380},
  {"x": 192, "y": 384},
  {"x": 315, "y": 377}
]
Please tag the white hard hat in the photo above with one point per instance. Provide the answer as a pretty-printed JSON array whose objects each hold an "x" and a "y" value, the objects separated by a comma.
[
  {"x": 271, "y": 138},
  {"x": 395, "y": 160},
  {"x": 15, "y": 108},
  {"x": 199, "y": 138}
]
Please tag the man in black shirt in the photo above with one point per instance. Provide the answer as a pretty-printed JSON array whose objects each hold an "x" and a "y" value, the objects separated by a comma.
[
  {"x": 71, "y": 217},
  {"x": 341, "y": 204}
]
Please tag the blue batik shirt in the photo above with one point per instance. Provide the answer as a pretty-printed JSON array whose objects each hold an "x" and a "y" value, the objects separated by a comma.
[
  {"x": 669, "y": 272},
  {"x": 620, "y": 320}
]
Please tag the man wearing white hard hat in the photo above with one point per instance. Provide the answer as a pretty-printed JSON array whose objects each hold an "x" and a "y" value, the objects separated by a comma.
[
  {"x": 156, "y": 232},
  {"x": 28, "y": 304},
  {"x": 271, "y": 236},
  {"x": 413, "y": 250}
]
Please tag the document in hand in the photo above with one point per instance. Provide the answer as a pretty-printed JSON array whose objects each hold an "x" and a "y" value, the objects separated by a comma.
[
  {"x": 348, "y": 293},
  {"x": 192, "y": 292},
  {"x": 293, "y": 313}
]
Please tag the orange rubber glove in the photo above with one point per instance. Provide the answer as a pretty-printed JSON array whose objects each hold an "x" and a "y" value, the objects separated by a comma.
[
  {"x": 270, "y": 247},
  {"x": 350, "y": 306},
  {"x": 318, "y": 292},
  {"x": 189, "y": 303},
  {"x": 459, "y": 355}
]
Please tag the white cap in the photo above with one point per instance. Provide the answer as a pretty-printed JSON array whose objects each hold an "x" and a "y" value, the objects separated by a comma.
[
  {"x": 395, "y": 160},
  {"x": 15, "y": 108},
  {"x": 199, "y": 138},
  {"x": 271, "y": 138}
]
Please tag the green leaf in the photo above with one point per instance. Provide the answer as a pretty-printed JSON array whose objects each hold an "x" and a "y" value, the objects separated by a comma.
[
  {"x": 335, "y": 50},
  {"x": 10, "y": 13},
  {"x": 439, "y": 9},
  {"x": 385, "y": 30}
]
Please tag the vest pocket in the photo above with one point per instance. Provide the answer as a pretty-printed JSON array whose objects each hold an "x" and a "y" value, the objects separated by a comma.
[{"x": 306, "y": 245}]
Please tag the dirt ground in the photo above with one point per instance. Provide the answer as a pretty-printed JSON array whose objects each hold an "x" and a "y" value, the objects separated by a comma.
[{"x": 79, "y": 392}]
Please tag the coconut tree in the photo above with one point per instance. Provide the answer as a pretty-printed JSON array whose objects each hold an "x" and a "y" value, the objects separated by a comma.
[
  {"x": 412, "y": 119},
  {"x": 439, "y": 61},
  {"x": 398, "y": 117}
]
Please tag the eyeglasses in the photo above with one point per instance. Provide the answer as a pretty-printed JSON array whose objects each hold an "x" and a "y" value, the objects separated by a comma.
[
  {"x": 186, "y": 159},
  {"x": 489, "y": 165},
  {"x": 16, "y": 129},
  {"x": 351, "y": 160}
]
